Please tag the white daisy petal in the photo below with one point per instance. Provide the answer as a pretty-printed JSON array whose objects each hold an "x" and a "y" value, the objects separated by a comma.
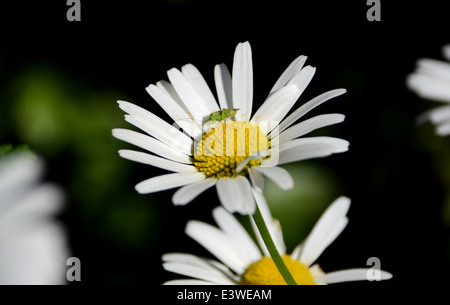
[
  {"x": 160, "y": 93},
  {"x": 19, "y": 174},
  {"x": 196, "y": 267},
  {"x": 235, "y": 195},
  {"x": 199, "y": 261},
  {"x": 35, "y": 256},
  {"x": 245, "y": 190},
  {"x": 348, "y": 275},
  {"x": 309, "y": 125},
  {"x": 242, "y": 81},
  {"x": 327, "y": 228},
  {"x": 168, "y": 181},
  {"x": 439, "y": 114},
  {"x": 257, "y": 156},
  {"x": 187, "y": 193},
  {"x": 168, "y": 89},
  {"x": 226, "y": 190},
  {"x": 429, "y": 86},
  {"x": 277, "y": 175},
  {"x": 446, "y": 51},
  {"x": 248, "y": 250},
  {"x": 296, "y": 252},
  {"x": 305, "y": 108},
  {"x": 222, "y": 78},
  {"x": 303, "y": 78},
  {"x": 35, "y": 204},
  {"x": 188, "y": 94},
  {"x": 443, "y": 129},
  {"x": 257, "y": 180},
  {"x": 289, "y": 73},
  {"x": 150, "y": 144},
  {"x": 187, "y": 282},
  {"x": 155, "y": 161},
  {"x": 33, "y": 245},
  {"x": 300, "y": 81},
  {"x": 437, "y": 68},
  {"x": 198, "y": 82},
  {"x": 279, "y": 102},
  {"x": 156, "y": 127},
  {"x": 308, "y": 148},
  {"x": 216, "y": 242},
  {"x": 436, "y": 115},
  {"x": 174, "y": 109}
]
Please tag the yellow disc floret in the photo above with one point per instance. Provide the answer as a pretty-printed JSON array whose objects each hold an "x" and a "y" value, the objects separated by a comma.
[
  {"x": 265, "y": 272},
  {"x": 223, "y": 147}
]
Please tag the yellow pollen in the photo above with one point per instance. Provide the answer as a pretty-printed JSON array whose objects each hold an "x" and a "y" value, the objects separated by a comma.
[
  {"x": 264, "y": 272},
  {"x": 223, "y": 147}
]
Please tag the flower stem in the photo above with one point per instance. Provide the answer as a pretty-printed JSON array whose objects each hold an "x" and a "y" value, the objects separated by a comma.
[{"x": 257, "y": 217}]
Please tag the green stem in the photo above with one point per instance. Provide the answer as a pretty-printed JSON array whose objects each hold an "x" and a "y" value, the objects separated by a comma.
[{"x": 257, "y": 217}]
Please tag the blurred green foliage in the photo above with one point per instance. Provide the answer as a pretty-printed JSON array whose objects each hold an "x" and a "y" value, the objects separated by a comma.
[
  {"x": 439, "y": 148},
  {"x": 6, "y": 149},
  {"x": 69, "y": 124}
]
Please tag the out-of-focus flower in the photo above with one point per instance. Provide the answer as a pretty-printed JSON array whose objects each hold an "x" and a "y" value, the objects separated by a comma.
[
  {"x": 431, "y": 80},
  {"x": 33, "y": 247},
  {"x": 243, "y": 263},
  {"x": 234, "y": 150}
]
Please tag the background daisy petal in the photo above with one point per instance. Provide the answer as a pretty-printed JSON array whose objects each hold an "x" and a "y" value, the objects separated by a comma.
[
  {"x": 218, "y": 243},
  {"x": 187, "y": 282},
  {"x": 356, "y": 274},
  {"x": 193, "y": 266},
  {"x": 327, "y": 228},
  {"x": 248, "y": 250}
]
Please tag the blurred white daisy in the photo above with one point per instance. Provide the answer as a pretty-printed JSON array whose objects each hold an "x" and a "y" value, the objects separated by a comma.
[
  {"x": 234, "y": 154},
  {"x": 431, "y": 80},
  {"x": 242, "y": 262},
  {"x": 33, "y": 249}
]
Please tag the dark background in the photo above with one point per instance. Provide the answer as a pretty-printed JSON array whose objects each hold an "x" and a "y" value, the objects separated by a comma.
[{"x": 396, "y": 172}]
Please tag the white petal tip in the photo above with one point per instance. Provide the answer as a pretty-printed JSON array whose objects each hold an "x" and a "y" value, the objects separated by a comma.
[{"x": 386, "y": 275}]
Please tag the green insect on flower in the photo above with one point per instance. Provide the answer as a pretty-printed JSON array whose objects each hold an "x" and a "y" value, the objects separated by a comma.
[{"x": 223, "y": 114}]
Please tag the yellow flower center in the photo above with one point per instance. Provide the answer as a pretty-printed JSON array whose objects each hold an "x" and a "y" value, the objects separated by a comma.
[
  {"x": 223, "y": 147},
  {"x": 264, "y": 272}
]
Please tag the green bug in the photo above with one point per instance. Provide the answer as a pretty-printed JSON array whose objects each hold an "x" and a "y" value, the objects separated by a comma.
[{"x": 223, "y": 114}]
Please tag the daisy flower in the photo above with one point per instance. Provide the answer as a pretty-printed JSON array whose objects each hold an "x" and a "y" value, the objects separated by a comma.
[
  {"x": 431, "y": 80},
  {"x": 236, "y": 152},
  {"x": 243, "y": 263},
  {"x": 33, "y": 248}
]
